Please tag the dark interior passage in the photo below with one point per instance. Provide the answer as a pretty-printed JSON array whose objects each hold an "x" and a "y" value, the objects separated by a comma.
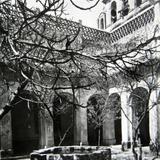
[{"x": 25, "y": 125}]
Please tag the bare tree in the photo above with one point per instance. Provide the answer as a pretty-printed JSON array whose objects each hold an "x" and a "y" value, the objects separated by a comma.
[
  {"x": 140, "y": 100},
  {"x": 38, "y": 55},
  {"x": 96, "y": 112}
]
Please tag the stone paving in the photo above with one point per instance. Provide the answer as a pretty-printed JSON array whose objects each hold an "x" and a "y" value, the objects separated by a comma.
[{"x": 117, "y": 154}]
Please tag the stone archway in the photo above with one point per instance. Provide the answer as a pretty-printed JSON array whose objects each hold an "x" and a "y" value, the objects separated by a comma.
[
  {"x": 95, "y": 118},
  {"x": 114, "y": 104},
  {"x": 25, "y": 124},
  {"x": 138, "y": 102},
  {"x": 64, "y": 119}
]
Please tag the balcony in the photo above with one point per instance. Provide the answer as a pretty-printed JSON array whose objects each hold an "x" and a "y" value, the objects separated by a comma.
[{"x": 133, "y": 23}]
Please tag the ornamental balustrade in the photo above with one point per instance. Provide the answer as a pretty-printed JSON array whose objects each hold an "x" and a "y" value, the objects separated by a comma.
[
  {"x": 135, "y": 23},
  {"x": 94, "y": 35}
]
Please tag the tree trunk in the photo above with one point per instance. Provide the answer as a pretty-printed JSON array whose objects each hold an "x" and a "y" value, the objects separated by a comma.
[{"x": 134, "y": 149}]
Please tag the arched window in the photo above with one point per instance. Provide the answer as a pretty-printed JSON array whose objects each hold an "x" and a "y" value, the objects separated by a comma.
[
  {"x": 102, "y": 20},
  {"x": 113, "y": 12},
  {"x": 102, "y": 23},
  {"x": 140, "y": 118},
  {"x": 138, "y": 3},
  {"x": 95, "y": 118},
  {"x": 114, "y": 104},
  {"x": 125, "y": 9},
  {"x": 63, "y": 113}
]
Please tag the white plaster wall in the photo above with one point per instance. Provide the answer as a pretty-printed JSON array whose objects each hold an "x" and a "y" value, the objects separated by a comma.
[
  {"x": 107, "y": 10},
  {"x": 153, "y": 128},
  {"x": 81, "y": 114},
  {"x": 126, "y": 113},
  {"x": 131, "y": 4},
  {"x": 126, "y": 125}
]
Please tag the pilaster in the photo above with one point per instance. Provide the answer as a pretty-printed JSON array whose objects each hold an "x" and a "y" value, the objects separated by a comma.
[
  {"x": 80, "y": 130},
  {"x": 109, "y": 130},
  {"x": 42, "y": 130},
  {"x": 154, "y": 119},
  {"x": 126, "y": 115},
  {"x": 6, "y": 133}
]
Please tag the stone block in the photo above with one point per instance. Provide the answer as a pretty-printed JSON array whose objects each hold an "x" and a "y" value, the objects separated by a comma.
[
  {"x": 100, "y": 155},
  {"x": 82, "y": 157},
  {"x": 72, "y": 153}
]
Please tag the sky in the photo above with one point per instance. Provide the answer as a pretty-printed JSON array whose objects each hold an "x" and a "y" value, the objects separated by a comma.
[{"x": 88, "y": 18}]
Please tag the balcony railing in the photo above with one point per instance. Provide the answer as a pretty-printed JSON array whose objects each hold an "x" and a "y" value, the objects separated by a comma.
[{"x": 133, "y": 24}]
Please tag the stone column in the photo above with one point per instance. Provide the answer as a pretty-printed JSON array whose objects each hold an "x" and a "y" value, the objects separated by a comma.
[
  {"x": 119, "y": 8},
  {"x": 0, "y": 135},
  {"x": 154, "y": 119},
  {"x": 126, "y": 118},
  {"x": 46, "y": 130},
  {"x": 49, "y": 131},
  {"x": 157, "y": 12},
  {"x": 158, "y": 124},
  {"x": 42, "y": 129},
  {"x": 80, "y": 128},
  {"x": 109, "y": 130},
  {"x": 6, "y": 134},
  {"x": 6, "y": 122}
]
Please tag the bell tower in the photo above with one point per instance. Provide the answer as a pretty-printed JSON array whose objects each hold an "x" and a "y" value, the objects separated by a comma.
[{"x": 116, "y": 11}]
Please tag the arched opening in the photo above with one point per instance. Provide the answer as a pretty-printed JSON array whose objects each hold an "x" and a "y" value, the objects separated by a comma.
[
  {"x": 125, "y": 9},
  {"x": 102, "y": 23},
  {"x": 140, "y": 116},
  {"x": 138, "y": 3},
  {"x": 113, "y": 12},
  {"x": 95, "y": 118},
  {"x": 115, "y": 106},
  {"x": 25, "y": 124},
  {"x": 102, "y": 20},
  {"x": 63, "y": 111}
]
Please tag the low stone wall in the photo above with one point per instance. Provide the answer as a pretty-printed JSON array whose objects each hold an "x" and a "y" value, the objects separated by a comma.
[{"x": 72, "y": 153}]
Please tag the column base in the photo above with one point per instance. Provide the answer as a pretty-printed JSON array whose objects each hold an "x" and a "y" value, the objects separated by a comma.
[
  {"x": 4, "y": 153},
  {"x": 108, "y": 142},
  {"x": 154, "y": 147},
  {"x": 80, "y": 143},
  {"x": 126, "y": 145}
]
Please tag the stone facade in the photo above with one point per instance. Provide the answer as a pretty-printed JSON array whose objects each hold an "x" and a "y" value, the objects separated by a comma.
[{"x": 128, "y": 20}]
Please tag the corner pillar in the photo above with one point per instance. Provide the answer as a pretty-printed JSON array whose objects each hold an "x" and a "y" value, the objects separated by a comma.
[
  {"x": 80, "y": 127},
  {"x": 46, "y": 130},
  {"x": 108, "y": 130},
  {"x": 126, "y": 113},
  {"x": 6, "y": 134},
  {"x": 80, "y": 130},
  {"x": 154, "y": 120}
]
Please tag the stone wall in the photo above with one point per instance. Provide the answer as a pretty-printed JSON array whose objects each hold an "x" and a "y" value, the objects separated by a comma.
[{"x": 73, "y": 153}]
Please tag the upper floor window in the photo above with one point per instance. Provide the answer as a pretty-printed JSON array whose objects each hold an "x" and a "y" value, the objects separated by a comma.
[
  {"x": 113, "y": 12},
  {"x": 138, "y": 3},
  {"x": 102, "y": 23},
  {"x": 125, "y": 8}
]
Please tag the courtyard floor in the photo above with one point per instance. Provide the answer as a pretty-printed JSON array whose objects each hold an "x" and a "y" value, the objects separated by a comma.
[{"x": 117, "y": 154}]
